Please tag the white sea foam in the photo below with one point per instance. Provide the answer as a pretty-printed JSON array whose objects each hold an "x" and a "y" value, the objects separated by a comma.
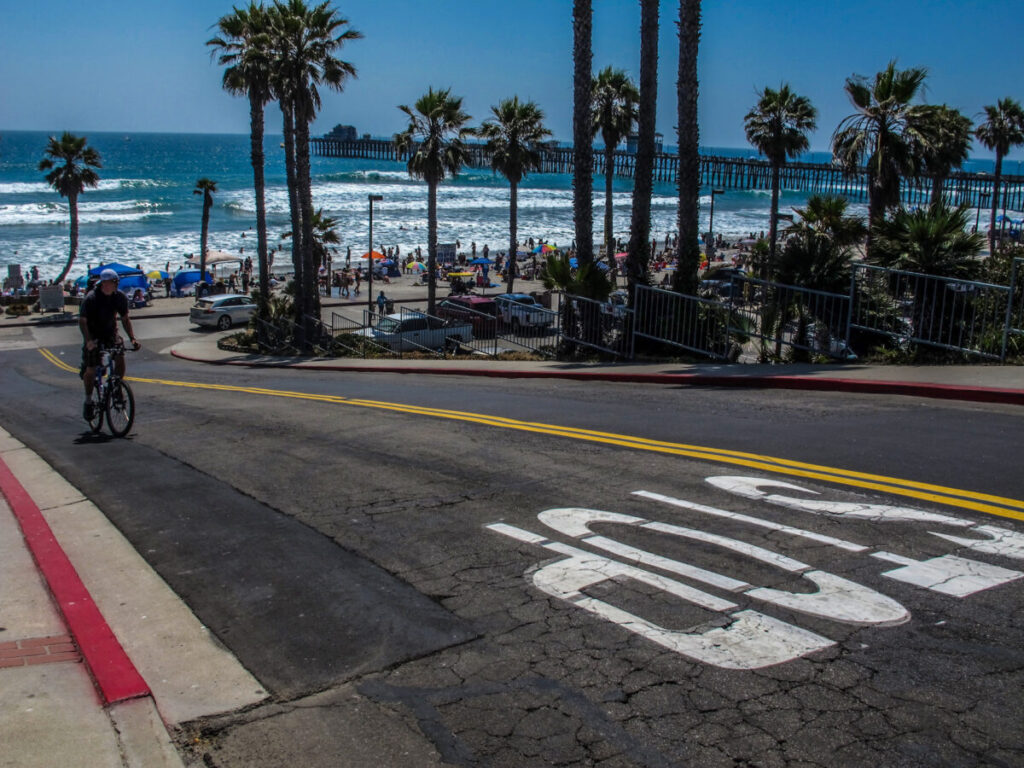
[
  {"x": 105, "y": 185},
  {"x": 88, "y": 212}
]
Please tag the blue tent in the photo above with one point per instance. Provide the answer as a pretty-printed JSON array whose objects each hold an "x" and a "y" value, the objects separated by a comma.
[
  {"x": 480, "y": 260},
  {"x": 121, "y": 269},
  {"x": 189, "y": 276}
]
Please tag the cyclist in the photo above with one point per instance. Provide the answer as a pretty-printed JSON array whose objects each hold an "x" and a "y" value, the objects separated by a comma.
[{"x": 97, "y": 319}]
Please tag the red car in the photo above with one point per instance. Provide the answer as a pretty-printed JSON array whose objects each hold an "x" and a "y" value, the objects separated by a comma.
[{"x": 480, "y": 311}]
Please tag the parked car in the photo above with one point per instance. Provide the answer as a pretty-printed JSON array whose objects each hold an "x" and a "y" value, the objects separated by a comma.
[
  {"x": 481, "y": 312},
  {"x": 417, "y": 332},
  {"x": 521, "y": 310},
  {"x": 223, "y": 312}
]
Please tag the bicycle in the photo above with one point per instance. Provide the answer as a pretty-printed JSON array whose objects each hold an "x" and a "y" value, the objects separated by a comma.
[{"x": 111, "y": 396}]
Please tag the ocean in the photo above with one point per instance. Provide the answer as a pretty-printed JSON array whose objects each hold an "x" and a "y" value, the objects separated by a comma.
[{"x": 144, "y": 211}]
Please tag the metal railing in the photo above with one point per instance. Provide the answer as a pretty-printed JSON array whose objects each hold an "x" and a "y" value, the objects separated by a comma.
[
  {"x": 485, "y": 327},
  {"x": 947, "y": 313},
  {"x": 789, "y": 316},
  {"x": 528, "y": 327},
  {"x": 692, "y": 323},
  {"x": 597, "y": 325},
  {"x": 1015, "y": 306}
]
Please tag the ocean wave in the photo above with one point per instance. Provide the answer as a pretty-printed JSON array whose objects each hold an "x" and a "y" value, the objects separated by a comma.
[
  {"x": 105, "y": 185},
  {"x": 88, "y": 213}
]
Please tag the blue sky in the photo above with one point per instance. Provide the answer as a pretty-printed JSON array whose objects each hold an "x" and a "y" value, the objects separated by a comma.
[{"x": 141, "y": 65}]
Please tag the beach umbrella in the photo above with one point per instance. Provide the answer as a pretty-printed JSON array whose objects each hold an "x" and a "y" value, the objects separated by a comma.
[
  {"x": 157, "y": 274},
  {"x": 417, "y": 266},
  {"x": 621, "y": 256},
  {"x": 374, "y": 255},
  {"x": 480, "y": 260}
]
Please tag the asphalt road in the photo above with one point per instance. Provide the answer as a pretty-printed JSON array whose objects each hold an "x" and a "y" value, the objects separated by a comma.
[{"x": 463, "y": 572}]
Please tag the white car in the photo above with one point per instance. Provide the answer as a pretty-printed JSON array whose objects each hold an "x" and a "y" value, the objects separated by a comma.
[
  {"x": 521, "y": 310},
  {"x": 413, "y": 332},
  {"x": 223, "y": 312}
]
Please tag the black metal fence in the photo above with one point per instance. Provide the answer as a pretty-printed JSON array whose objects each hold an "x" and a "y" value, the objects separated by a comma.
[
  {"x": 912, "y": 308},
  {"x": 527, "y": 327},
  {"x": 693, "y": 323},
  {"x": 597, "y": 325}
]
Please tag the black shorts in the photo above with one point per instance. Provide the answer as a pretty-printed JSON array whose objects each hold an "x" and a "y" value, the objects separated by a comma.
[{"x": 91, "y": 357}]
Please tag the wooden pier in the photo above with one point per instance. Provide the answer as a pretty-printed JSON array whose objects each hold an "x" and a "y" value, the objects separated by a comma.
[{"x": 975, "y": 189}]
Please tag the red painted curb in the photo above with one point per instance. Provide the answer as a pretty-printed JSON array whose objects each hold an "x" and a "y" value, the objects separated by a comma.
[
  {"x": 805, "y": 383},
  {"x": 116, "y": 677}
]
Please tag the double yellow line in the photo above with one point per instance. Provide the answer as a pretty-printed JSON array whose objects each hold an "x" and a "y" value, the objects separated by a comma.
[{"x": 979, "y": 502}]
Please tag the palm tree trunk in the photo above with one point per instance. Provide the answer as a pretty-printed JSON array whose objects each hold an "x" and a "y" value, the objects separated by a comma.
[
  {"x": 204, "y": 236},
  {"x": 643, "y": 184},
  {"x": 513, "y": 233},
  {"x": 73, "y": 252},
  {"x": 432, "y": 245},
  {"x": 773, "y": 227},
  {"x": 310, "y": 290},
  {"x": 996, "y": 183},
  {"x": 582, "y": 121},
  {"x": 689, "y": 148},
  {"x": 293, "y": 197},
  {"x": 259, "y": 185},
  {"x": 874, "y": 211},
  {"x": 609, "y": 234},
  {"x": 937, "y": 184}
]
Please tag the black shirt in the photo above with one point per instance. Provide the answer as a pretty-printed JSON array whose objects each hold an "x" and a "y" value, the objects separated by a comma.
[{"x": 101, "y": 312}]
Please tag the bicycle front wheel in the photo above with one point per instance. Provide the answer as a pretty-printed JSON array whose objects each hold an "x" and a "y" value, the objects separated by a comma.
[
  {"x": 96, "y": 422},
  {"x": 120, "y": 408}
]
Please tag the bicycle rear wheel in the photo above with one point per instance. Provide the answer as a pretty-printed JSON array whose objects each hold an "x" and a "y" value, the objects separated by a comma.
[
  {"x": 96, "y": 422},
  {"x": 120, "y": 408}
]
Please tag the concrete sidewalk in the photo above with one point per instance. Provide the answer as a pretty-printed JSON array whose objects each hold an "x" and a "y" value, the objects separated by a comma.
[
  {"x": 973, "y": 383},
  {"x": 98, "y": 657}
]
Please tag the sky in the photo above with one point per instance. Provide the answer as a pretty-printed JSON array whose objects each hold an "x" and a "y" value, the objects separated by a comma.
[{"x": 142, "y": 65}]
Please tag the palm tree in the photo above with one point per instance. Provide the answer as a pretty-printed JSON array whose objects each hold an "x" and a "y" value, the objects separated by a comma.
[
  {"x": 244, "y": 44},
  {"x": 71, "y": 179},
  {"x": 819, "y": 246},
  {"x": 582, "y": 131},
  {"x": 778, "y": 126},
  {"x": 1003, "y": 129},
  {"x": 614, "y": 115},
  {"x": 881, "y": 134},
  {"x": 929, "y": 241},
  {"x": 946, "y": 136},
  {"x": 689, "y": 148},
  {"x": 513, "y": 134},
  {"x": 306, "y": 40},
  {"x": 827, "y": 215},
  {"x": 435, "y": 141},
  {"x": 325, "y": 234},
  {"x": 816, "y": 256},
  {"x": 932, "y": 241},
  {"x": 586, "y": 281},
  {"x": 643, "y": 177},
  {"x": 206, "y": 188}
]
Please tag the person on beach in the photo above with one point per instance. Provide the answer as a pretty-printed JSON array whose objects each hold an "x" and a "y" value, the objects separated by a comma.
[
  {"x": 382, "y": 302},
  {"x": 97, "y": 320}
]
